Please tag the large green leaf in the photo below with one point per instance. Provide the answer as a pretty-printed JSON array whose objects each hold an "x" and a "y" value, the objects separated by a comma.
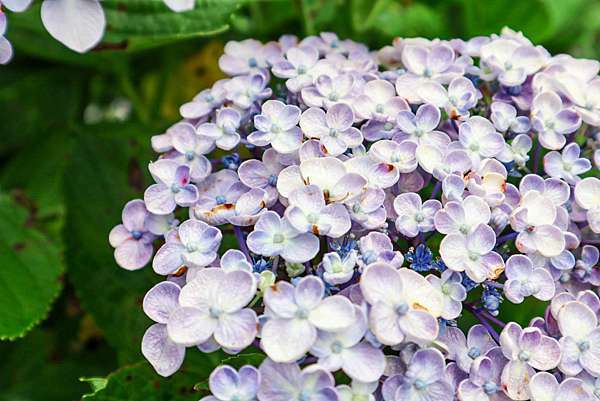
[
  {"x": 30, "y": 269},
  {"x": 131, "y": 25},
  {"x": 103, "y": 175}
]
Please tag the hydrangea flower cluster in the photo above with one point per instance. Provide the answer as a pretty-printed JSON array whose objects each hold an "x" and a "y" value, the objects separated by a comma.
[{"x": 376, "y": 198}]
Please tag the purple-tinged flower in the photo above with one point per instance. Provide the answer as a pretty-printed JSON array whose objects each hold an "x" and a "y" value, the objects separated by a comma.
[
  {"x": 249, "y": 207},
  {"x": 504, "y": 117},
  {"x": 227, "y": 384},
  {"x": 277, "y": 126},
  {"x": 420, "y": 127},
  {"x": 205, "y": 102},
  {"x": 465, "y": 350},
  {"x": 460, "y": 96},
  {"x": 587, "y": 196},
  {"x": 586, "y": 268},
  {"x": 164, "y": 355},
  {"x": 434, "y": 62},
  {"x": 244, "y": 90},
  {"x": 194, "y": 246},
  {"x": 453, "y": 187},
  {"x": 192, "y": 149},
  {"x": 344, "y": 350},
  {"x": 552, "y": 120},
  {"x": 517, "y": 151},
  {"x": 338, "y": 270},
  {"x": 78, "y": 26},
  {"x": 218, "y": 195},
  {"x": 367, "y": 209},
  {"x": 172, "y": 187},
  {"x": 377, "y": 174},
  {"x": 584, "y": 96},
  {"x": 471, "y": 47},
  {"x": 329, "y": 90},
  {"x": 580, "y": 343},
  {"x": 442, "y": 161},
  {"x": 377, "y": 247},
  {"x": 286, "y": 382},
  {"x": 132, "y": 240},
  {"x": 399, "y": 157},
  {"x": 523, "y": 280},
  {"x": 262, "y": 174},
  {"x": 180, "y": 5},
  {"x": 526, "y": 349},
  {"x": 483, "y": 382},
  {"x": 453, "y": 292},
  {"x": 308, "y": 212},
  {"x": 338, "y": 185},
  {"x": 6, "y": 50},
  {"x": 511, "y": 61},
  {"x": 357, "y": 391},
  {"x": 213, "y": 304},
  {"x": 248, "y": 56},
  {"x": 295, "y": 313},
  {"x": 333, "y": 129},
  {"x": 273, "y": 236},
  {"x": 298, "y": 67},
  {"x": 224, "y": 131},
  {"x": 566, "y": 164},
  {"x": 378, "y": 101},
  {"x": 473, "y": 254},
  {"x": 479, "y": 139},
  {"x": 488, "y": 181},
  {"x": 463, "y": 216},
  {"x": 415, "y": 216},
  {"x": 425, "y": 379},
  {"x": 404, "y": 306},
  {"x": 544, "y": 387}
]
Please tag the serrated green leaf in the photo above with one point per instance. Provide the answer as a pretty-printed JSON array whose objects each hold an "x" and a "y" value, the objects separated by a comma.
[
  {"x": 139, "y": 382},
  {"x": 103, "y": 175},
  {"x": 29, "y": 274},
  {"x": 132, "y": 25}
]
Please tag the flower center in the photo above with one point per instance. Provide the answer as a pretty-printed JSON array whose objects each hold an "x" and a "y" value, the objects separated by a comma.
[
  {"x": 252, "y": 63},
  {"x": 333, "y": 132},
  {"x": 420, "y": 384},
  {"x": 474, "y": 352},
  {"x": 490, "y": 388},
  {"x": 388, "y": 126},
  {"x": 272, "y": 180},
  {"x": 402, "y": 309},
  {"x": 215, "y": 312},
  {"x": 524, "y": 356},
  {"x": 336, "y": 347},
  {"x": 313, "y": 218},
  {"x": 583, "y": 345},
  {"x": 278, "y": 238},
  {"x": 175, "y": 188},
  {"x": 379, "y": 108},
  {"x": 302, "y": 313},
  {"x": 220, "y": 199},
  {"x": 189, "y": 155},
  {"x": 136, "y": 234},
  {"x": 419, "y": 218}
]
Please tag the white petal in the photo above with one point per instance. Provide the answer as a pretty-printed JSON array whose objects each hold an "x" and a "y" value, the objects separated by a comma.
[{"x": 78, "y": 24}]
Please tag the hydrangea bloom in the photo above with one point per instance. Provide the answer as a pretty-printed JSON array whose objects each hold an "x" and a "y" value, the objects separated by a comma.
[{"x": 374, "y": 209}]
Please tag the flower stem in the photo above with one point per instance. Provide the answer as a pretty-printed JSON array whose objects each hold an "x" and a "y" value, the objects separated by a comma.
[
  {"x": 482, "y": 319},
  {"x": 538, "y": 157},
  {"x": 436, "y": 190},
  {"x": 505, "y": 238},
  {"x": 239, "y": 235}
]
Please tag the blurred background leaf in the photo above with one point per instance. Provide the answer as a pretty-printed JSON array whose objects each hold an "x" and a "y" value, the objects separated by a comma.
[{"x": 75, "y": 146}]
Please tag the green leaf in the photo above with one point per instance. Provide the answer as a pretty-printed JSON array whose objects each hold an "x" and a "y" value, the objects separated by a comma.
[
  {"x": 29, "y": 274},
  {"x": 140, "y": 382},
  {"x": 132, "y": 25},
  {"x": 103, "y": 175}
]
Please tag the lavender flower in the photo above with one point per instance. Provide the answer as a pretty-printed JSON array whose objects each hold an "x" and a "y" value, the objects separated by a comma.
[
  {"x": 262, "y": 174},
  {"x": 172, "y": 187},
  {"x": 552, "y": 120},
  {"x": 194, "y": 246},
  {"x": 273, "y": 236},
  {"x": 277, "y": 126},
  {"x": 403, "y": 304},
  {"x": 227, "y": 384},
  {"x": 415, "y": 216},
  {"x": 133, "y": 239},
  {"x": 224, "y": 131},
  {"x": 333, "y": 129},
  {"x": 247, "y": 56},
  {"x": 213, "y": 303},
  {"x": 523, "y": 280},
  {"x": 587, "y": 196},
  {"x": 295, "y": 314},
  {"x": 566, "y": 164},
  {"x": 379, "y": 101}
]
